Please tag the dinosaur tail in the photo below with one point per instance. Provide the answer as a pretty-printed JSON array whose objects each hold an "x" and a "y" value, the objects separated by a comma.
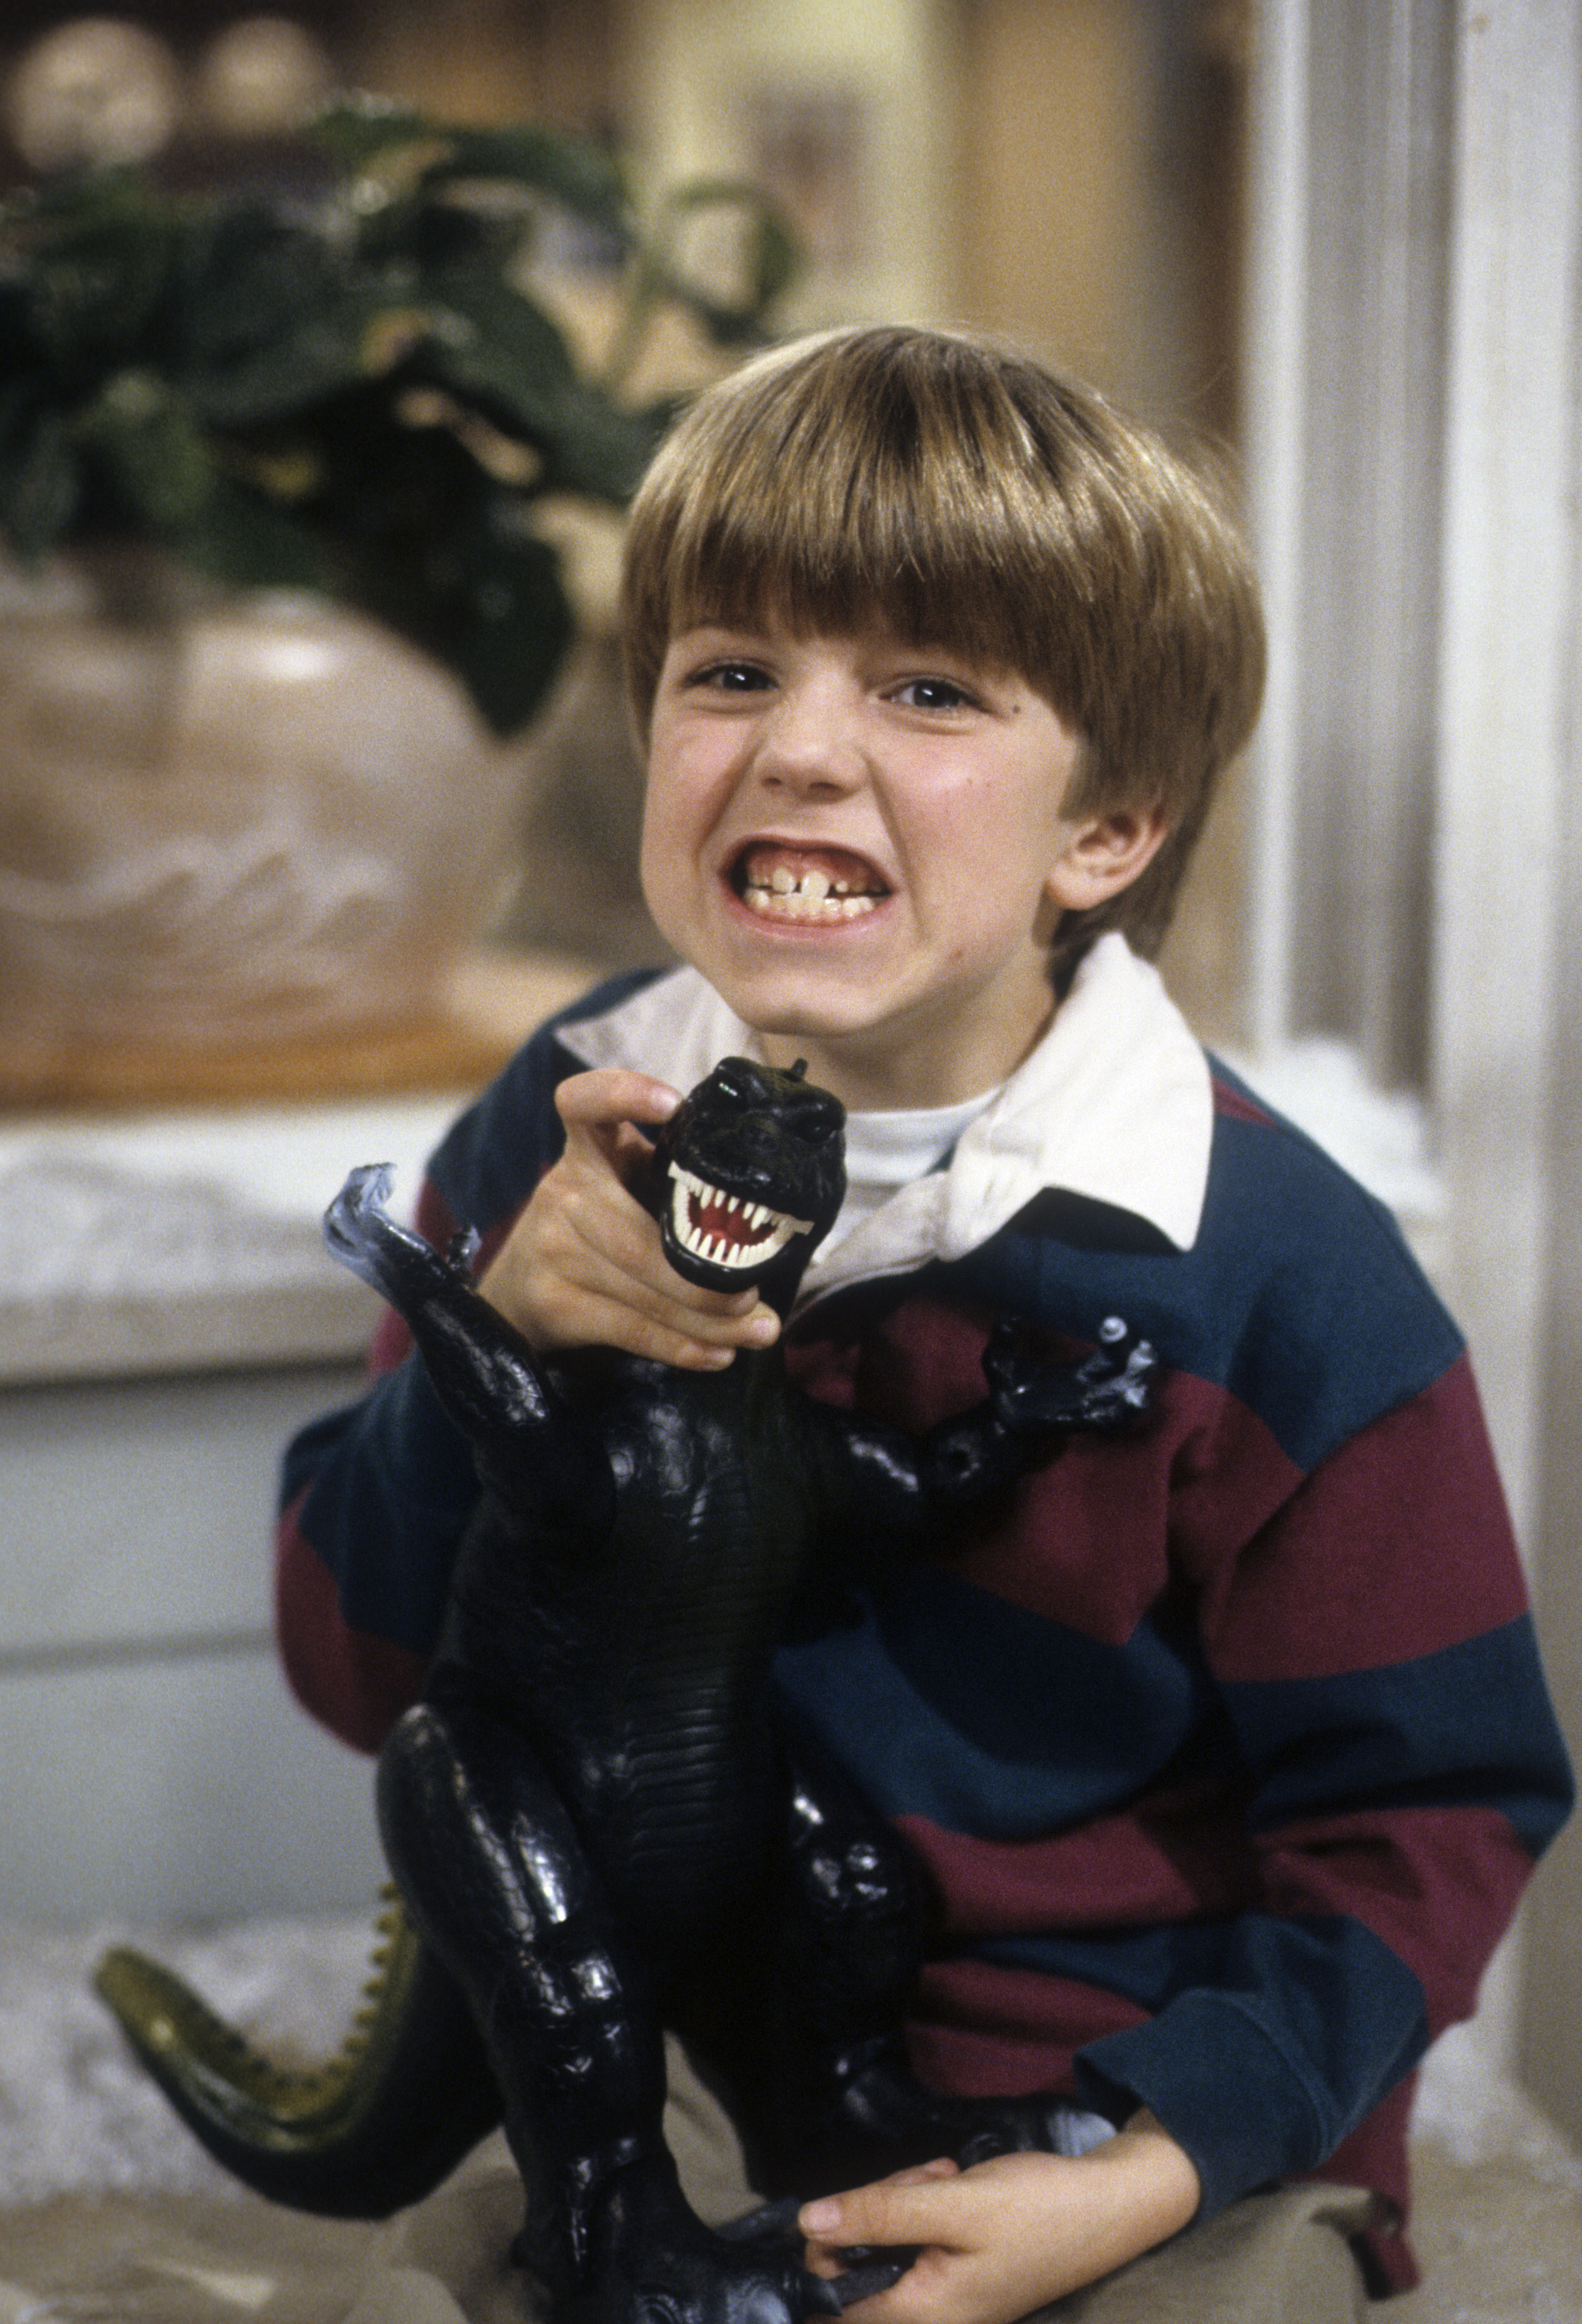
[{"x": 407, "y": 2098}]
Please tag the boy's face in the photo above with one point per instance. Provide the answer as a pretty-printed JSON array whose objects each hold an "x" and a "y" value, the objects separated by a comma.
[{"x": 860, "y": 845}]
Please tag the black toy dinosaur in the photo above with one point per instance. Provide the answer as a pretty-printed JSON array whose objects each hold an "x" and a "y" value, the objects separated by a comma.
[{"x": 597, "y": 1820}]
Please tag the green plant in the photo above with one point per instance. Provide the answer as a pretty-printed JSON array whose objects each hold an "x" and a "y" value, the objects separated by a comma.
[{"x": 354, "y": 394}]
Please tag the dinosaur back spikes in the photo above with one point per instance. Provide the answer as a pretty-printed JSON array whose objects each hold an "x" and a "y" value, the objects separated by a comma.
[{"x": 408, "y": 2095}]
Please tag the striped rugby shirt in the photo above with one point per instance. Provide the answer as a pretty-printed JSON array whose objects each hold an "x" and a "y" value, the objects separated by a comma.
[{"x": 1225, "y": 1749}]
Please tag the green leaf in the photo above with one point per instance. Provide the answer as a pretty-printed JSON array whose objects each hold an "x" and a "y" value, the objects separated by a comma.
[
  {"x": 769, "y": 262},
  {"x": 578, "y": 172},
  {"x": 244, "y": 539},
  {"x": 156, "y": 454},
  {"x": 597, "y": 448},
  {"x": 245, "y": 279},
  {"x": 485, "y": 599},
  {"x": 360, "y": 128},
  {"x": 494, "y": 349},
  {"x": 485, "y": 328},
  {"x": 428, "y": 542},
  {"x": 581, "y": 175},
  {"x": 41, "y": 475},
  {"x": 776, "y": 257},
  {"x": 366, "y": 333},
  {"x": 97, "y": 287}
]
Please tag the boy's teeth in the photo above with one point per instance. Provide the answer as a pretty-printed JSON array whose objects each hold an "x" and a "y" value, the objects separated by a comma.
[{"x": 814, "y": 895}]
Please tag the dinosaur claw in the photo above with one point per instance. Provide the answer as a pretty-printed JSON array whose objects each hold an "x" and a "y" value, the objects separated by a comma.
[
  {"x": 366, "y": 1189},
  {"x": 873, "y": 2271},
  {"x": 765, "y": 2223},
  {"x": 360, "y": 1198}
]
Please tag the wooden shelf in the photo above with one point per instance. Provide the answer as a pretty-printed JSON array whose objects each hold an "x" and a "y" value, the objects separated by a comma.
[{"x": 493, "y": 1002}]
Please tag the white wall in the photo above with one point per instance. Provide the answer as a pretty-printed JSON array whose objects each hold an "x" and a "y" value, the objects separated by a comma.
[{"x": 152, "y": 1765}]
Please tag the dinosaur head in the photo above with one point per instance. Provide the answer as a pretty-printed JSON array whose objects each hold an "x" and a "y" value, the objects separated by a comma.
[{"x": 747, "y": 1176}]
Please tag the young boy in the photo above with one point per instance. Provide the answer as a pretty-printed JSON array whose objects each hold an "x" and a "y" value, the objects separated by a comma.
[{"x": 1223, "y": 1750}]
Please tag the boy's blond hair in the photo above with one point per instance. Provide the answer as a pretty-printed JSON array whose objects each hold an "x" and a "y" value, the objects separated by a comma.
[{"x": 968, "y": 498}]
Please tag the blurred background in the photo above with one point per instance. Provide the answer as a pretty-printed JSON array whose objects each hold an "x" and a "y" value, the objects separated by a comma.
[{"x": 1336, "y": 250}]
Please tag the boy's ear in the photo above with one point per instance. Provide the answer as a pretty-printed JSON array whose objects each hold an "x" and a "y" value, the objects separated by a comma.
[{"x": 1104, "y": 856}]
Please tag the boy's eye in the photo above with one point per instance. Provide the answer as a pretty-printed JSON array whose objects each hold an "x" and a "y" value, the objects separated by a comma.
[
  {"x": 933, "y": 694},
  {"x": 731, "y": 678}
]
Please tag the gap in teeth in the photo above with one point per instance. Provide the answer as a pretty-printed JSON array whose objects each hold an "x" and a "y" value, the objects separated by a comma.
[
  {"x": 813, "y": 893},
  {"x": 795, "y": 904}
]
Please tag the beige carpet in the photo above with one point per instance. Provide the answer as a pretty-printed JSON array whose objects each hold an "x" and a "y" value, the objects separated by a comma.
[{"x": 110, "y": 2214}]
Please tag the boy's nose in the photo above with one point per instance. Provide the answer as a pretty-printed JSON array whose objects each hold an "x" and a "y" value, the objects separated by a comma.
[{"x": 810, "y": 748}]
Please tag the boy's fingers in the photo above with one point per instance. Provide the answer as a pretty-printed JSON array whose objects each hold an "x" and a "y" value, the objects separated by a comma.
[
  {"x": 615, "y": 1094},
  {"x": 606, "y": 1293},
  {"x": 617, "y": 1324},
  {"x": 921, "y": 2207},
  {"x": 619, "y": 1251},
  {"x": 600, "y": 1110},
  {"x": 585, "y": 1266},
  {"x": 609, "y": 1094}
]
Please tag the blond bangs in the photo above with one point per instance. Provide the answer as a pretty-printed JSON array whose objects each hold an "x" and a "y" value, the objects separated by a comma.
[{"x": 829, "y": 502}]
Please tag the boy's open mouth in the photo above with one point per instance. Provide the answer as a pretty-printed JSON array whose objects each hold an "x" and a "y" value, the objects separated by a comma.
[
  {"x": 807, "y": 883},
  {"x": 726, "y": 1230}
]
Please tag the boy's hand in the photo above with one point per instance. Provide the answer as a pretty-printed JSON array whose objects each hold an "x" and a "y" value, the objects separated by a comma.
[
  {"x": 1007, "y": 2236},
  {"x": 583, "y": 1266}
]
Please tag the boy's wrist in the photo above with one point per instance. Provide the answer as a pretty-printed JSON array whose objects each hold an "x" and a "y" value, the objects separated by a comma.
[{"x": 1172, "y": 2188}]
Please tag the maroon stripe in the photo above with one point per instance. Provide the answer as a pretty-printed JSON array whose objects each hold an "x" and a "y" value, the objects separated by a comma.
[
  {"x": 1396, "y": 1547},
  {"x": 1376, "y": 2156},
  {"x": 1090, "y": 1539},
  {"x": 981, "y": 2031},
  {"x": 1437, "y": 1885},
  {"x": 1086, "y": 1539},
  {"x": 356, "y": 1684},
  {"x": 1238, "y": 1106},
  {"x": 1172, "y": 1857}
]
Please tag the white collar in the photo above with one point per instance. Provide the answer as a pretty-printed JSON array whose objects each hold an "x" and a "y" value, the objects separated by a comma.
[{"x": 1114, "y": 1104}]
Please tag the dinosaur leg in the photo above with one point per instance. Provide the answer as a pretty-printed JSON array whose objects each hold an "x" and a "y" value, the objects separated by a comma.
[
  {"x": 839, "y": 2101},
  {"x": 496, "y": 1878},
  {"x": 814, "y": 2042}
]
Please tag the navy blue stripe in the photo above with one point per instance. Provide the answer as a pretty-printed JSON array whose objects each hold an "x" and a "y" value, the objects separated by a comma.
[
  {"x": 943, "y": 1701},
  {"x": 405, "y": 1471},
  {"x": 1262, "y": 2067},
  {"x": 1471, "y": 1726},
  {"x": 1255, "y": 1952},
  {"x": 948, "y": 1703}
]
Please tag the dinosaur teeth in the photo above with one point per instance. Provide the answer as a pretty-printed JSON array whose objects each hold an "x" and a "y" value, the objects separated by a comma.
[{"x": 698, "y": 1213}]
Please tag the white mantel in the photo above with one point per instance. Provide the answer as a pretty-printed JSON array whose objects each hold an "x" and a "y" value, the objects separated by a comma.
[
  {"x": 170, "y": 1241},
  {"x": 169, "y": 1317}
]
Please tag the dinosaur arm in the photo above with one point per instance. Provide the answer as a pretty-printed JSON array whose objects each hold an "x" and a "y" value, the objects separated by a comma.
[
  {"x": 902, "y": 1487},
  {"x": 530, "y": 1445}
]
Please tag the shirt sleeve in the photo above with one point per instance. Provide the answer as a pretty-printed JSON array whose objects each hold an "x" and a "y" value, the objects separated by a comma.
[{"x": 1375, "y": 1660}]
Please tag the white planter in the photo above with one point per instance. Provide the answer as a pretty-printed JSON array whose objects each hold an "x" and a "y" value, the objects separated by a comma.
[{"x": 231, "y": 820}]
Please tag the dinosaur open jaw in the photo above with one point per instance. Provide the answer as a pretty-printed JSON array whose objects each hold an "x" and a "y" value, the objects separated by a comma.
[
  {"x": 727, "y": 1230},
  {"x": 827, "y": 885}
]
